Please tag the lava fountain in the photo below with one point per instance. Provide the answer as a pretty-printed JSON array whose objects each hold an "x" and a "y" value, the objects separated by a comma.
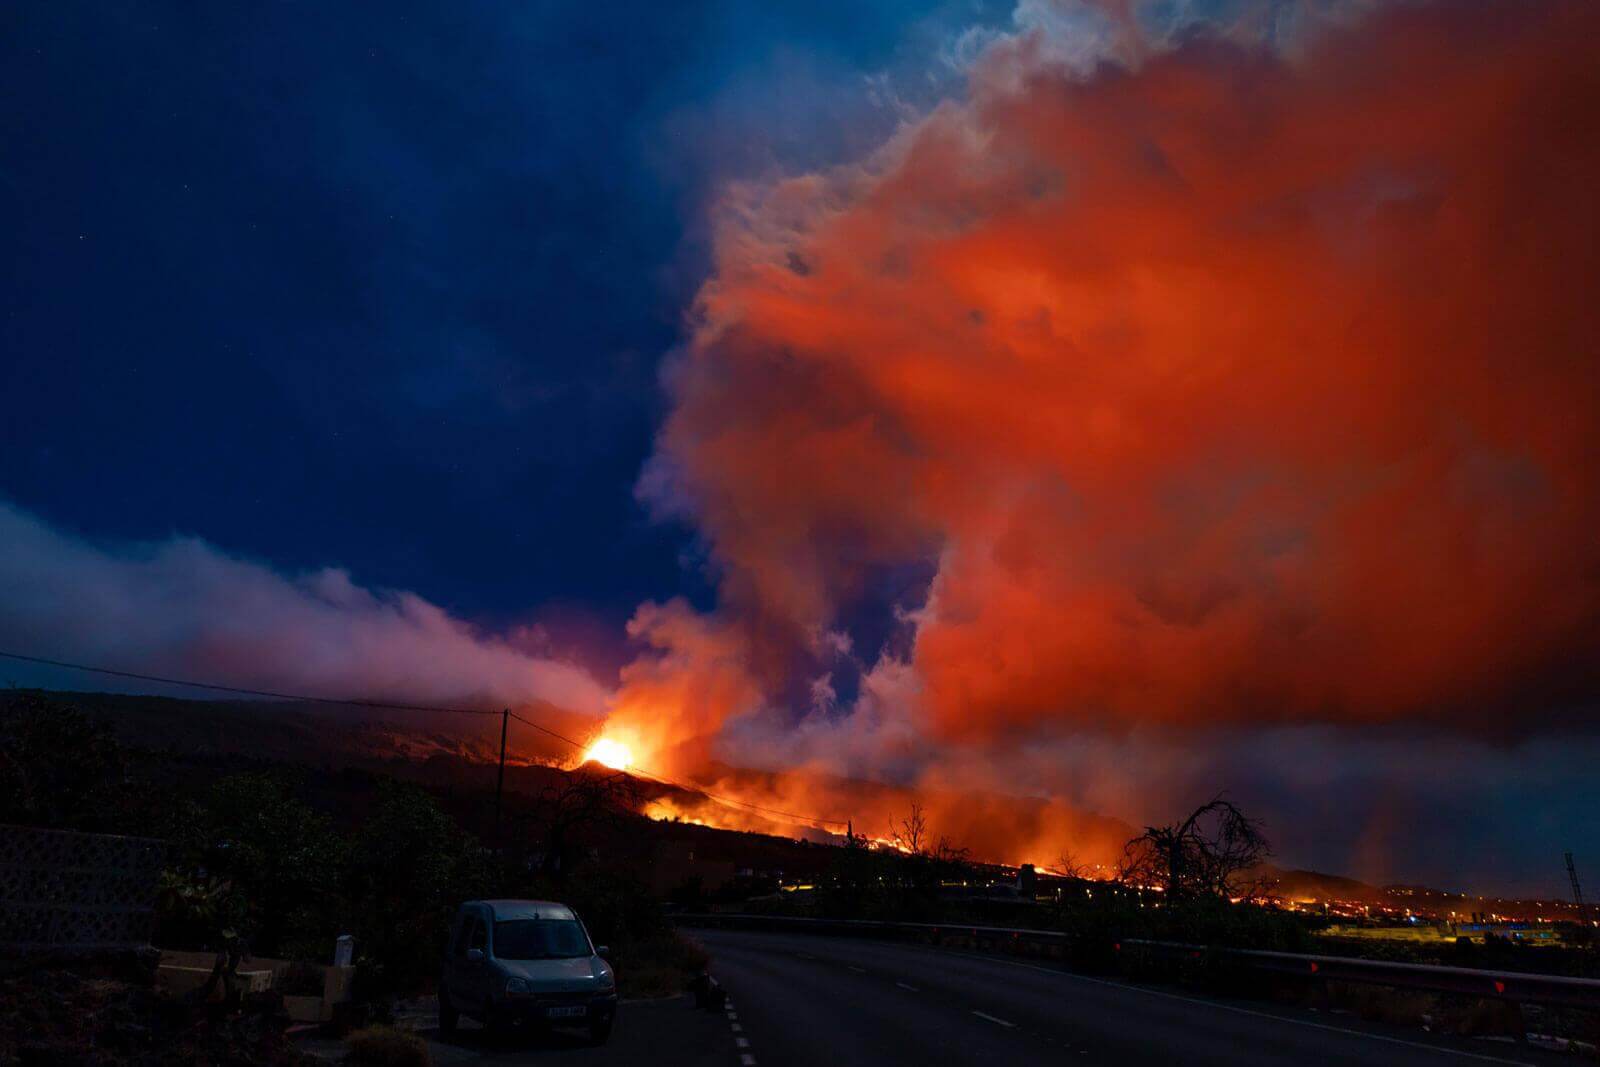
[{"x": 609, "y": 752}]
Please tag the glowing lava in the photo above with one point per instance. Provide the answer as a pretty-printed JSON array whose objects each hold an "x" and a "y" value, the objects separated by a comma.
[{"x": 609, "y": 753}]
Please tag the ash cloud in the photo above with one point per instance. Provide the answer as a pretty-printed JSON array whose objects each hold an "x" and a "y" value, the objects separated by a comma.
[
  {"x": 1222, "y": 385},
  {"x": 1231, "y": 381},
  {"x": 182, "y": 607}
]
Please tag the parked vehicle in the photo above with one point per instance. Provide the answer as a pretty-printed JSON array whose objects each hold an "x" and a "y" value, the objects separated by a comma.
[{"x": 525, "y": 961}]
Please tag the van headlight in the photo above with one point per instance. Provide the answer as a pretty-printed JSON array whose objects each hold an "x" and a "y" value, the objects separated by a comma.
[{"x": 517, "y": 985}]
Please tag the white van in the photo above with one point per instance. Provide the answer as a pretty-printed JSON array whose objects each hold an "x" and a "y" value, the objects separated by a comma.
[{"x": 528, "y": 961}]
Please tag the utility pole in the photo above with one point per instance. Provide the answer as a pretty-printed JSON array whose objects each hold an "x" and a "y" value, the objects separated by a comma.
[
  {"x": 1577, "y": 892},
  {"x": 500, "y": 780}
]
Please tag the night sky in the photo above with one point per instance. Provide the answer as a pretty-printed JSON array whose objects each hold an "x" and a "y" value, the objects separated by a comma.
[
  {"x": 1114, "y": 404},
  {"x": 389, "y": 285}
]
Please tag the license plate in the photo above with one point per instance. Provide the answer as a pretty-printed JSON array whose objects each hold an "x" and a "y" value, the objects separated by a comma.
[{"x": 574, "y": 1012}]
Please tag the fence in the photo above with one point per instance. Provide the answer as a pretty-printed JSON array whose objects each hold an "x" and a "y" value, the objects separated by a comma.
[
  {"x": 62, "y": 891},
  {"x": 1502, "y": 985}
]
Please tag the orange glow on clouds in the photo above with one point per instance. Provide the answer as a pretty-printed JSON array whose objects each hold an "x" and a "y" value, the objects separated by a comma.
[
  {"x": 1221, "y": 388},
  {"x": 1233, "y": 387}
]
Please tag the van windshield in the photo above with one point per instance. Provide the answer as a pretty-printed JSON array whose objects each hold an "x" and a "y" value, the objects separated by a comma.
[{"x": 539, "y": 939}]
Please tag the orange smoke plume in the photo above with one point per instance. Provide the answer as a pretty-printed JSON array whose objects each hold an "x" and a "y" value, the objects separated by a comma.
[
  {"x": 1213, "y": 387},
  {"x": 1230, "y": 386}
]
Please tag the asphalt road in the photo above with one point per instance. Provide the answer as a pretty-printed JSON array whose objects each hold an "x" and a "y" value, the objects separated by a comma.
[
  {"x": 658, "y": 1032},
  {"x": 836, "y": 1002}
]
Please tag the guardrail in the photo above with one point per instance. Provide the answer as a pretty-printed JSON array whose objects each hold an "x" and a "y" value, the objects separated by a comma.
[
  {"x": 1503, "y": 985},
  {"x": 1500, "y": 985}
]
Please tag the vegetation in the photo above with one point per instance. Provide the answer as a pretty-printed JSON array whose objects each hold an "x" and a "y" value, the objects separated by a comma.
[
  {"x": 1491, "y": 953},
  {"x": 280, "y": 861},
  {"x": 274, "y": 862},
  {"x": 1215, "y": 852},
  {"x": 924, "y": 879},
  {"x": 58, "y": 768},
  {"x": 903, "y": 882},
  {"x": 384, "y": 1046},
  {"x": 408, "y": 865},
  {"x": 568, "y": 811},
  {"x": 94, "y": 1016}
]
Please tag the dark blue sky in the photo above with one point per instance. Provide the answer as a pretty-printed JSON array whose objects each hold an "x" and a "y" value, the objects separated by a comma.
[{"x": 386, "y": 286}]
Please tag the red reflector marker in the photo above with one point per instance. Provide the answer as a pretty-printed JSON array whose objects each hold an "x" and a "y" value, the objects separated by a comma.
[
  {"x": 1313, "y": 966},
  {"x": 1499, "y": 987}
]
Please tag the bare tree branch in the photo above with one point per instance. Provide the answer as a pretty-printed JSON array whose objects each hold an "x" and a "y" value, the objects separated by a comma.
[
  {"x": 911, "y": 833},
  {"x": 1216, "y": 851}
]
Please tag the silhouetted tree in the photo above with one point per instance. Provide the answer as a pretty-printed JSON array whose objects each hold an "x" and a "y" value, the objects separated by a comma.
[
  {"x": 281, "y": 856},
  {"x": 63, "y": 770},
  {"x": 1070, "y": 866},
  {"x": 949, "y": 856},
  {"x": 1214, "y": 852},
  {"x": 910, "y": 834},
  {"x": 577, "y": 805},
  {"x": 409, "y": 865}
]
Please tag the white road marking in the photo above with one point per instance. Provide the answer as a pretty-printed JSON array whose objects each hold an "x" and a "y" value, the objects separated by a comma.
[
  {"x": 994, "y": 1019},
  {"x": 1238, "y": 1011},
  {"x": 908, "y": 988},
  {"x": 858, "y": 970},
  {"x": 739, "y": 1040}
]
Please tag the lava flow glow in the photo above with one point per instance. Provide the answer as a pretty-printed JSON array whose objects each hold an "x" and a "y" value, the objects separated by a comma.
[{"x": 609, "y": 753}]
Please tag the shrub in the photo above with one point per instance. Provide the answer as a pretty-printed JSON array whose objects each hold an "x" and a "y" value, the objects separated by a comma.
[
  {"x": 278, "y": 854},
  {"x": 196, "y": 910},
  {"x": 385, "y": 1046},
  {"x": 59, "y": 768},
  {"x": 409, "y": 866},
  {"x": 659, "y": 966},
  {"x": 1398, "y": 1007}
]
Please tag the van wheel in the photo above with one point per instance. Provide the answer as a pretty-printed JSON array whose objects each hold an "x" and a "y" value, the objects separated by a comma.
[
  {"x": 600, "y": 1032},
  {"x": 448, "y": 1015}
]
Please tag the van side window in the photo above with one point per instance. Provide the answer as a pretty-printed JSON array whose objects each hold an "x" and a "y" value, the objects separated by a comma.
[
  {"x": 470, "y": 927},
  {"x": 480, "y": 935}
]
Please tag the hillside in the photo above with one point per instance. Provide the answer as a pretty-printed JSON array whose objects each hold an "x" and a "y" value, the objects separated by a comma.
[{"x": 456, "y": 757}]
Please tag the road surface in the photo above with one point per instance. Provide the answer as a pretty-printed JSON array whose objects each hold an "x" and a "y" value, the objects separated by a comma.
[
  {"x": 656, "y": 1033},
  {"x": 807, "y": 1001}
]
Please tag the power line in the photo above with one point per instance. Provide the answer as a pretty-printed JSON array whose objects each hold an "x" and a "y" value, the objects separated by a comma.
[
  {"x": 300, "y": 697},
  {"x": 386, "y": 705},
  {"x": 579, "y": 745}
]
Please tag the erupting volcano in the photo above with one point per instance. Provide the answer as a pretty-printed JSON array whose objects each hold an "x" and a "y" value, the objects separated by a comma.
[
  {"x": 1104, "y": 407},
  {"x": 609, "y": 753}
]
